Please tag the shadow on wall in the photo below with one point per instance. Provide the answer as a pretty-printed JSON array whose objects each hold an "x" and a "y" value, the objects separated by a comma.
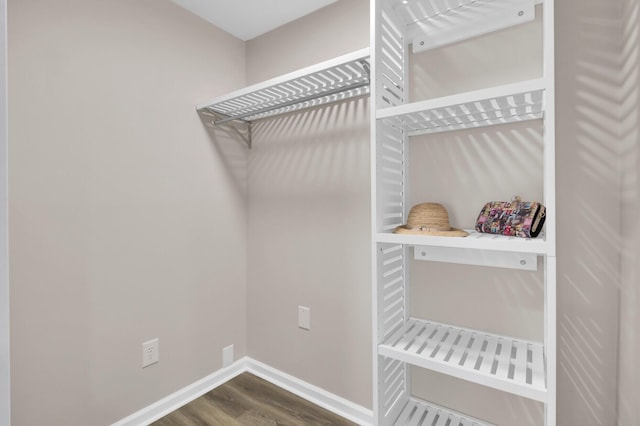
[
  {"x": 588, "y": 199},
  {"x": 468, "y": 168},
  {"x": 309, "y": 243},
  {"x": 314, "y": 148},
  {"x": 629, "y": 376},
  {"x": 461, "y": 67}
]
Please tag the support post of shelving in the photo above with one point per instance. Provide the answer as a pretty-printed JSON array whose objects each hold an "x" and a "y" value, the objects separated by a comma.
[
  {"x": 550, "y": 293},
  {"x": 373, "y": 31},
  {"x": 5, "y": 388},
  {"x": 394, "y": 121},
  {"x": 550, "y": 340}
]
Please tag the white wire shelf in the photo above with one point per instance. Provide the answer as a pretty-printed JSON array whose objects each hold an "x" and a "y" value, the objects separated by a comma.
[
  {"x": 338, "y": 79},
  {"x": 497, "y": 105},
  {"x": 475, "y": 240},
  {"x": 417, "y": 412},
  {"x": 504, "y": 363}
]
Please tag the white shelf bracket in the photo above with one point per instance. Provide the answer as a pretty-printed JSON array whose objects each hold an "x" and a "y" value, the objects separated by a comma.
[
  {"x": 498, "y": 259},
  {"x": 216, "y": 117},
  {"x": 367, "y": 68},
  {"x": 470, "y": 20}
]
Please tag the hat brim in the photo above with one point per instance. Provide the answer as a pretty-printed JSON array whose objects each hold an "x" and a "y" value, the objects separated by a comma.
[{"x": 453, "y": 232}]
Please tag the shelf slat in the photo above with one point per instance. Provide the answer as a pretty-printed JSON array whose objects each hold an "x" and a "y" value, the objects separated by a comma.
[
  {"x": 418, "y": 412},
  {"x": 475, "y": 240},
  {"x": 497, "y": 105},
  {"x": 504, "y": 363},
  {"x": 338, "y": 79}
]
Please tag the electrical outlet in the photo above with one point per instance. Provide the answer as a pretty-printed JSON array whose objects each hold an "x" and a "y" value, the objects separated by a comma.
[
  {"x": 150, "y": 352},
  {"x": 304, "y": 317},
  {"x": 227, "y": 356}
]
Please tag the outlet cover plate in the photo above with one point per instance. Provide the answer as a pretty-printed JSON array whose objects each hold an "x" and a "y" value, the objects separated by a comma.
[
  {"x": 227, "y": 356},
  {"x": 150, "y": 352},
  {"x": 304, "y": 317}
]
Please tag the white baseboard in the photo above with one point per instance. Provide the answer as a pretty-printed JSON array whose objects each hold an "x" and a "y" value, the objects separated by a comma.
[
  {"x": 183, "y": 396},
  {"x": 311, "y": 393}
]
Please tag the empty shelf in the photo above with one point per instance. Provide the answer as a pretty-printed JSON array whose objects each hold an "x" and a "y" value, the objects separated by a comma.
[
  {"x": 338, "y": 79},
  {"x": 497, "y": 105},
  {"x": 418, "y": 412},
  {"x": 475, "y": 240},
  {"x": 503, "y": 363}
]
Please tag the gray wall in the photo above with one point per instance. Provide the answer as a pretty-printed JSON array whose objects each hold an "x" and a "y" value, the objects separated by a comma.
[
  {"x": 5, "y": 403},
  {"x": 309, "y": 215},
  {"x": 629, "y": 371},
  {"x": 128, "y": 221},
  {"x": 588, "y": 46},
  {"x": 337, "y": 29}
]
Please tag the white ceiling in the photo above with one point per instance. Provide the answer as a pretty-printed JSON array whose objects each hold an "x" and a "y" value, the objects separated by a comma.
[{"x": 247, "y": 19}]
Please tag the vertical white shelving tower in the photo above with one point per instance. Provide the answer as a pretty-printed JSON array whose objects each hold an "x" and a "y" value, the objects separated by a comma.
[{"x": 517, "y": 366}]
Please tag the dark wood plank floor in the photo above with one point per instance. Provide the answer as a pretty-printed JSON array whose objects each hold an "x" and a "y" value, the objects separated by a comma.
[{"x": 249, "y": 400}]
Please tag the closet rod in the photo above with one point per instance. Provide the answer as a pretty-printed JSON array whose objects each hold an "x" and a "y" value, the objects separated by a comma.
[{"x": 293, "y": 102}]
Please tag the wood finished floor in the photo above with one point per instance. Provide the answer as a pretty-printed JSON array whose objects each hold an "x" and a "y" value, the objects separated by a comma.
[{"x": 249, "y": 400}]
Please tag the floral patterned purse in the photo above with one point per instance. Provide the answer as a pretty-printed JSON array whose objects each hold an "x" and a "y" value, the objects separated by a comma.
[{"x": 513, "y": 218}]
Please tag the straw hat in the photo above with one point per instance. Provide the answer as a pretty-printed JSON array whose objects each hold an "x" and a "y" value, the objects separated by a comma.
[{"x": 429, "y": 219}]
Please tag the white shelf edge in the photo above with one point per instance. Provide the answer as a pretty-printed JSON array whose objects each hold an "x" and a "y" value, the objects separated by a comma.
[
  {"x": 353, "y": 56},
  {"x": 502, "y": 14},
  {"x": 452, "y": 128},
  {"x": 479, "y": 377},
  {"x": 475, "y": 241},
  {"x": 477, "y": 330},
  {"x": 462, "y": 98},
  {"x": 420, "y": 406},
  {"x": 495, "y": 259}
]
